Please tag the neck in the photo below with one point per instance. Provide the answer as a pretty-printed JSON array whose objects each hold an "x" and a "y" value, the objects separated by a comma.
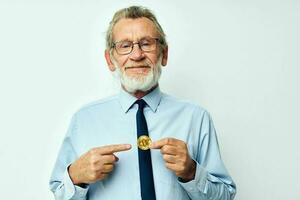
[{"x": 140, "y": 94}]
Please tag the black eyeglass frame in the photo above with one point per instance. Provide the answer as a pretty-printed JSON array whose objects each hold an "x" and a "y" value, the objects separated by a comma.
[{"x": 157, "y": 41}]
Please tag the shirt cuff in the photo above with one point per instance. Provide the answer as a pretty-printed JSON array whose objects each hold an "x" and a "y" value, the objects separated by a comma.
[
  {"x": 198, "y": 183},
  {"x": 71, "y": 190}
]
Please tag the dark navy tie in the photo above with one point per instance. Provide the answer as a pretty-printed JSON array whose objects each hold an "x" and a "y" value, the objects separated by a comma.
[{"x": 145, "y": 165}]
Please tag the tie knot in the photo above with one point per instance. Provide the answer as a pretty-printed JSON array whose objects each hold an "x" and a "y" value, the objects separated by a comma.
[{"x": 141, "y": 103}]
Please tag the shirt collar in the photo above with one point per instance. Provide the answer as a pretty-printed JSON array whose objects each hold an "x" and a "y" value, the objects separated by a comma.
[{"x": 152, "y": 99}]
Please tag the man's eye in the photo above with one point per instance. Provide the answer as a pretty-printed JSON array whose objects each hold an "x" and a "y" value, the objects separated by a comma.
[
  {"x": 145, "y": 43},
  {"x": 125, "y": 45}
]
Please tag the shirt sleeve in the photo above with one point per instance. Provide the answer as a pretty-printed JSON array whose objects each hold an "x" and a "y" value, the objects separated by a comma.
[
  {"x": 60, "y": 182},
  {"x": 212, "y": 180}
]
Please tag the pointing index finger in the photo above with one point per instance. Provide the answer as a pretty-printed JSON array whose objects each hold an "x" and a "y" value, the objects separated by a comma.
[
  {"x": 160, "y": 143},
  {"x": 110, "y": 149}
]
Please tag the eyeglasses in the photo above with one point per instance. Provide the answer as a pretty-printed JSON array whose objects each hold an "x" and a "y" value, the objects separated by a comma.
[{"x": 146, "y": 44}]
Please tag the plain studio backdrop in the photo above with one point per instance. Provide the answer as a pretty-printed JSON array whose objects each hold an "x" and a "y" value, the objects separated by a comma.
[{"x": 238, "y": 59}]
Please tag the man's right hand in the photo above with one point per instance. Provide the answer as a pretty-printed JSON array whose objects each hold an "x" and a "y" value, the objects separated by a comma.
[{"x": 96, "y": 164}]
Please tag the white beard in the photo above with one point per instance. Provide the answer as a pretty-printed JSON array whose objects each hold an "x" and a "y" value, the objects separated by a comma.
[{"x": 141, "y": 83}]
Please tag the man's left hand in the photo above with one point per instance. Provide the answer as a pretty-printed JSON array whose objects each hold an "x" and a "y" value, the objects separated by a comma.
[{"x": 177, "y": 158}]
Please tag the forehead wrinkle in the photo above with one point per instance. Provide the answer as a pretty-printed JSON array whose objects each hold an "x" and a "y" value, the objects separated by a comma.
[{"x": 134, "y": 29}]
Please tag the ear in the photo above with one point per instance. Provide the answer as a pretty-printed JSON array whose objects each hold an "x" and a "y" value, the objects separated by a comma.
[
  {"x": 109, "y": 62},
  {"x": 164, "y": 56}
]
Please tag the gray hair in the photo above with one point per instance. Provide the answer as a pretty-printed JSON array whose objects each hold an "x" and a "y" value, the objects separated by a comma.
[{"x": 134, "y": 12}]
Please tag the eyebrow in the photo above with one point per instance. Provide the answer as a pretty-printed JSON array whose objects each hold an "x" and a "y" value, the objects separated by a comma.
[{"x": 128, "y": 40}]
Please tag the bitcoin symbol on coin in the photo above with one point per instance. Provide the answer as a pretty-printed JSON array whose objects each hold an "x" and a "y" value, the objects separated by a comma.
[{"x": 144, "y": 142}]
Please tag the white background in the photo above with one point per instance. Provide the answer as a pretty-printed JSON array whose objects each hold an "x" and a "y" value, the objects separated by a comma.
[{"x": 238, "y": 59}]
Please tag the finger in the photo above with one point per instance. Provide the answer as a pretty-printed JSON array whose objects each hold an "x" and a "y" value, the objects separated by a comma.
[
  {"x": 168, "y": 149},
  {"x": 109, "y": 159},
  {"x": 107, "y": 168},
  {"x": 160, "y": 143},
  {"x": 171, "y": 166},
  {"x": 109, "y": 149},
  {"x": 169, "y": 158}
]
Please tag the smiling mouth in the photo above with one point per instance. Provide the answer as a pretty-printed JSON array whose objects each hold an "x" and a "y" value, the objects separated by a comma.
[{"x": 136, "y": 67}]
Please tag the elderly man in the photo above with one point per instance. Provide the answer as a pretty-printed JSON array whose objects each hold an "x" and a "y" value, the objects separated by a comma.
[{"x": 141, "y": 143}]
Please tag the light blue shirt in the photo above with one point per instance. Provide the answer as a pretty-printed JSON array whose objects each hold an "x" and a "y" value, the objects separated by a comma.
[{"x": 113, "y": 121}]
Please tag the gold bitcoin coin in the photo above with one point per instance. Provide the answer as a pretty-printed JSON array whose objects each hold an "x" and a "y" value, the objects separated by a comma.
[{"x": 144, "y": 142}]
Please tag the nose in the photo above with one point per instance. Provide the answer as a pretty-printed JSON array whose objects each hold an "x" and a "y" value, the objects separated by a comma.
[{"x": 137, "y": 53}]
